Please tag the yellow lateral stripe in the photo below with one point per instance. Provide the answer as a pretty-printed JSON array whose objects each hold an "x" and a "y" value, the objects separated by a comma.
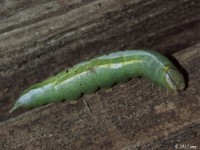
[
  {"x": 117, "y": 65},
  {"x": 109, "y": 65}
]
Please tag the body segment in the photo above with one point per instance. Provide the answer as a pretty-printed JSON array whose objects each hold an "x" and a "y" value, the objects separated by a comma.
[{"x": 103, "y": 71}]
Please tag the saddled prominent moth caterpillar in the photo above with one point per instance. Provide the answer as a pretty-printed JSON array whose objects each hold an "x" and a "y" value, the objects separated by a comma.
[{"x": 100, "y": 72}]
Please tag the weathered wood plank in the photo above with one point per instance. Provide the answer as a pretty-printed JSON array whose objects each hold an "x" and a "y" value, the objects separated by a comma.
[
  {"x": 38, "y": 38},
  {"x": 128, "y": 116},
  {"x": 41, "y": 37}
]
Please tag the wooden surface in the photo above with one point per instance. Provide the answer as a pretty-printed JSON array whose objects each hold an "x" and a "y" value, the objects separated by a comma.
[{"x": 40, "y": 38}]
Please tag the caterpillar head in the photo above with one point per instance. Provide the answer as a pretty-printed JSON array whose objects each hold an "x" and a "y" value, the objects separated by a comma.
[{"x": 174, "y": 79}]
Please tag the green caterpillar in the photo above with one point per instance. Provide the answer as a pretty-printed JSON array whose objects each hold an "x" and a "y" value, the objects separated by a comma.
[{"x": 102, "y": 72}]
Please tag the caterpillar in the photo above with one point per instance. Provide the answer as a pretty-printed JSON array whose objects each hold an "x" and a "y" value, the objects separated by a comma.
[{"x": 103, "y": 72}]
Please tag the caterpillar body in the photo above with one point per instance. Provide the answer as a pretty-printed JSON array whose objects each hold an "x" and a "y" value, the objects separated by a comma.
[{"x": 101, "y": 72}]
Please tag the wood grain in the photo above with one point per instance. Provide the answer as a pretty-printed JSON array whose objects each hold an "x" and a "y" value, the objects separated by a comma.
[
  {"x": 128, "y": 116},
  {"x": 39, "y": 38}
]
